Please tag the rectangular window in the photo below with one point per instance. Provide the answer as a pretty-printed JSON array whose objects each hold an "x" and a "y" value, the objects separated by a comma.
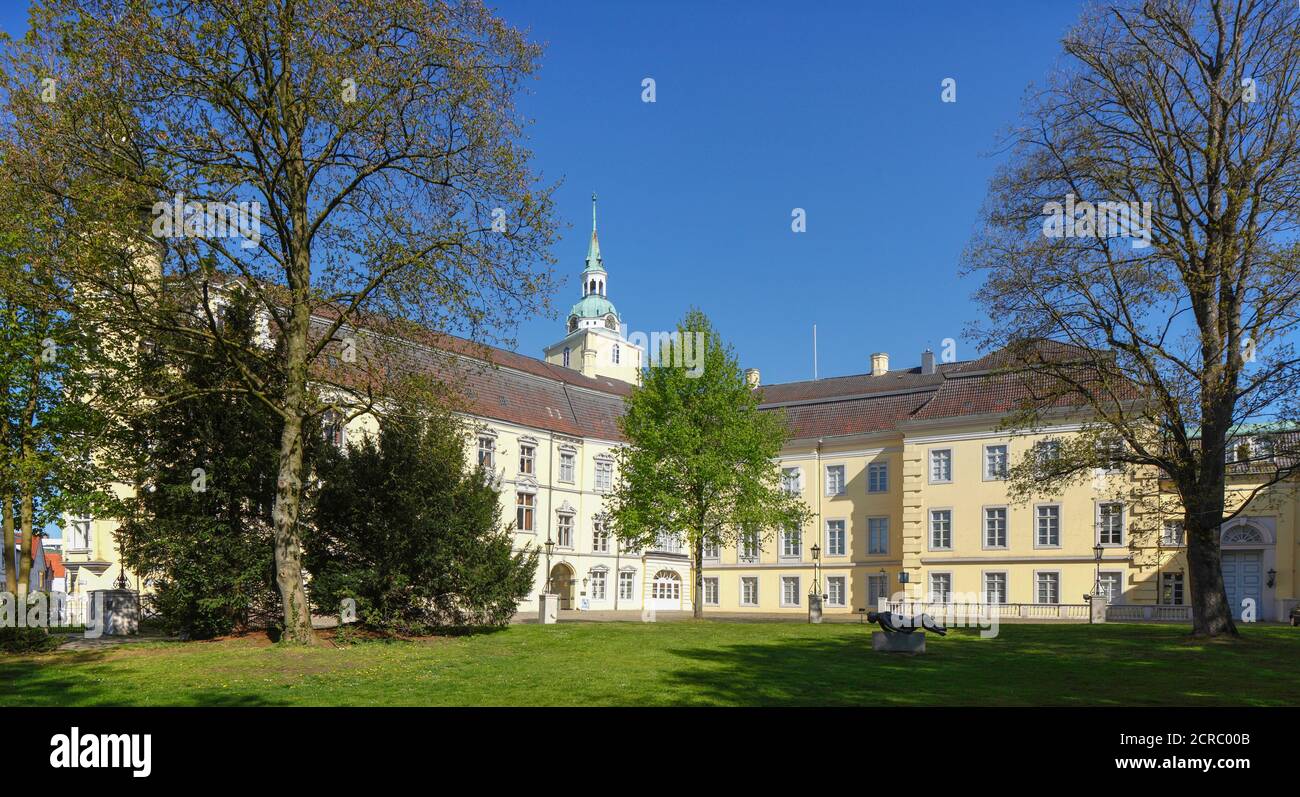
[
  {"x": 604, "y": 476},
  {"x": 1171, "y": 589},
  {"x": 599, "y": 536},
  {"x": 712, "y": 551},
  {"x": 1110, "y": 523},
  {"x": 995, "y": 588},
  {"x": 749, "y": 591},
  {"x": 1047, "y": 526},
  {"x": 835, "y": 480},
  {"x": 791, "y": 544},
  {"x": 526, "y": 459},
  {"x": 995, "y": 462},
  {"x": 1047, "y": 452},
  {"x": 1110, "y": 586},
  {"x": 1047, "y": 587},
  {"x": 877, "y": 535},
  {"x": 563, "y": 531},
  {"x": 749, "y": 548},
  {"x": 626, "y": 585},
  {"x": 81, "y": 535},
  {"x": 1110, "y": 451},
  {"x": 789, "y": 590},
  {"x": 995, "y": 527},
  {"x": 940, "y": 587},
  {"x": 1173, "y": 534},
  {"x": 487, "y": 452},
  {"x": 710, "y": 592},
  {"x": 941, "y": 465},
  {"x": 878, "y": 477},
  {"x": 940, "y": 529},
  {"x": 567, "y": 469},
  {"x": 524, "y": 504},
  {"x": 835, "y": 538},
  {"x": 877, "y": 588},
  {"x": 791, "y": 480},
  {"x": 598, "y": 585},
  {"x": 835, "y": 591},
  {"x": 668, "y": 542}
]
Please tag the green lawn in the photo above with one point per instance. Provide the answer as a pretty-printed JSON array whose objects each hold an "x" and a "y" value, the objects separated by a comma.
[{"x": 682, "y": 663}]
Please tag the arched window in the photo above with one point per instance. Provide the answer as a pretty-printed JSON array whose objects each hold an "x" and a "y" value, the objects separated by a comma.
[
  {"x": 573, "y": 323},
  {"x": 667, "y": 586},
  {"x": 615, "y": 354},
  {"x": 591, "y": 287},
  {"x": 566, "y": 356},
  {"x": 1244, "y": 534}
]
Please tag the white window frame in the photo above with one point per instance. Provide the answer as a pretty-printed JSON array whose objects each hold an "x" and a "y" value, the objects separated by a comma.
[
  {"x": 600, "y": 535},
  {"x": 1123, "y": 523},
  {"x": 984, "y": 528},
  {"x": 930, "y": 461},
  {"x": 1060, "y": 522},
  {"x": 605, "y": 468},
  {"x": 1181, "y": 592},
  {"x": 884, "y": 537},
  {"x": 1173, "y": 541},
  {"x": 568, "y": 466},
  {"x": 989, "y": 476},
  {"x": 627, "y": 578},
  {"x": 1119, "y": 584},
  {"x": 1037, "y": 595},
  {"x": 711, "y": 583},
  {"x": 745, "y": 540},
  {"x": 984, "y": 587},
  {"x": 564, "y": 522},
  {"x": 792, "y": 480},
  {"x": 844, "y": 537},
  {"x": 600, "y": 577},
  {"x": 929, "y": 586},
  {"x": 798, "y": 591},
  {"x": 784, "y": 542},
  {"x": 875, "y": 469},
  {"x": 526, "y": 510},
  {"x": 528, "y": 459},
  {"x": 844, "y": 591},
  {"x": 487, "y": 444},
  {"x": 745, "y": 581},
  {"x": 711, "y": 552},
  {"x": 843, "y": 477},
  {"x": 929, "y": 528}
]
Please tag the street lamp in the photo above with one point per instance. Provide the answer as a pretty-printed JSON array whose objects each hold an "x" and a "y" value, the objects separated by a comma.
[
  {"x": 817, "y": 572},
  {"x": 1096, "y": 555},
  {"x": 550, "y": 546}
]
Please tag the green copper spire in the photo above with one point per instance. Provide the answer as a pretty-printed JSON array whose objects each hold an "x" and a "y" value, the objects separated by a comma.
[{"x": 594, "y": 260}]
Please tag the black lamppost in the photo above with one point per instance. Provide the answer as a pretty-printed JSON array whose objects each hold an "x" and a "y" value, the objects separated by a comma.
[
  {"x": 817, "y": 569},
  {"x": 1096, "y": 555},
  {"x": 550, "y": 546}
]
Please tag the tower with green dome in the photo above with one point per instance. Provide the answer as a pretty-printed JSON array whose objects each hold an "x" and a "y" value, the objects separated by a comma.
[{"x": 595, "y": 341}]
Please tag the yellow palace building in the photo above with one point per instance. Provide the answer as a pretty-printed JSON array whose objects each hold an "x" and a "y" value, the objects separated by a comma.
[{"x": 904, "y": 471}]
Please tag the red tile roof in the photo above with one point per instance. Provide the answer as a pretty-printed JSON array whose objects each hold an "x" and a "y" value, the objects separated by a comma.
[{"x": 54, "y": 561}]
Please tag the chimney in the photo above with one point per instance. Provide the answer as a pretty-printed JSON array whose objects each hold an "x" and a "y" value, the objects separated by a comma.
[
  {"x": 927, "y": 362},
  {"x": 879, "y": 363},
  {"x": 751, "y": 378}
]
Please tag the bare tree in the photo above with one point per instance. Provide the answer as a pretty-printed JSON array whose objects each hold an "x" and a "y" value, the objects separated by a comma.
[
  {"x": 337, "y": 157},
  {"x": 1146, "y": 217}
]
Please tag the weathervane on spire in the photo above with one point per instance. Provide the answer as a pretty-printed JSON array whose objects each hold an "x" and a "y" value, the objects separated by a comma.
[{"x": 593, "y": 211}]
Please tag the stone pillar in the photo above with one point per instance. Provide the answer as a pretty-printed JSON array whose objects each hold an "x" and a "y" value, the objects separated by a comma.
[
  {"x": 1097, "y": 609},
  {"x": 114, "y": 612},
  {"x": 814, "y": 608},
  {"x": 548, "y": 608}
]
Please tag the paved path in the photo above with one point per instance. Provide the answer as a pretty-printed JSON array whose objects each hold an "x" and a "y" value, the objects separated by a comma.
[{"x": 634, "y": 616}]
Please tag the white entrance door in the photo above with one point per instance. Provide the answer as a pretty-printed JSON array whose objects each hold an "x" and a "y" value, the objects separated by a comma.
[
  {"x": 666, "y": 591},
  {"x": 1243, "y": 578}
]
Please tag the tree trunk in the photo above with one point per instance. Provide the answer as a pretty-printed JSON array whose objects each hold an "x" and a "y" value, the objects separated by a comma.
[
  {"x": 1211, "y": 614},
  {"x": 11, "y": 572},
  {"x": 697, "y": 602},
  {"x": 25, "y": 514},
  {"x": 288, "y": 487}
]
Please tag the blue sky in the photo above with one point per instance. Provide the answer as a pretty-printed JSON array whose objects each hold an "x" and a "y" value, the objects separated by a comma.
[{"x": 763, "y": 107}]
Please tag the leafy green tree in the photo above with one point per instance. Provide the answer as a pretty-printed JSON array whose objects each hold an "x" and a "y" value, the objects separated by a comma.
[
  {"x": 343, "y": 157},
  {"x": 1144, "y": 224},
  {"x": 200, "y": 525},
  {"x": 408, "y": 530},
  {"x": 700, "y": 454}
]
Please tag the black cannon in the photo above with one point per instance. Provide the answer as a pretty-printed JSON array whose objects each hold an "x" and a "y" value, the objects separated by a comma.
[{"x": 898, "y": 624}]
